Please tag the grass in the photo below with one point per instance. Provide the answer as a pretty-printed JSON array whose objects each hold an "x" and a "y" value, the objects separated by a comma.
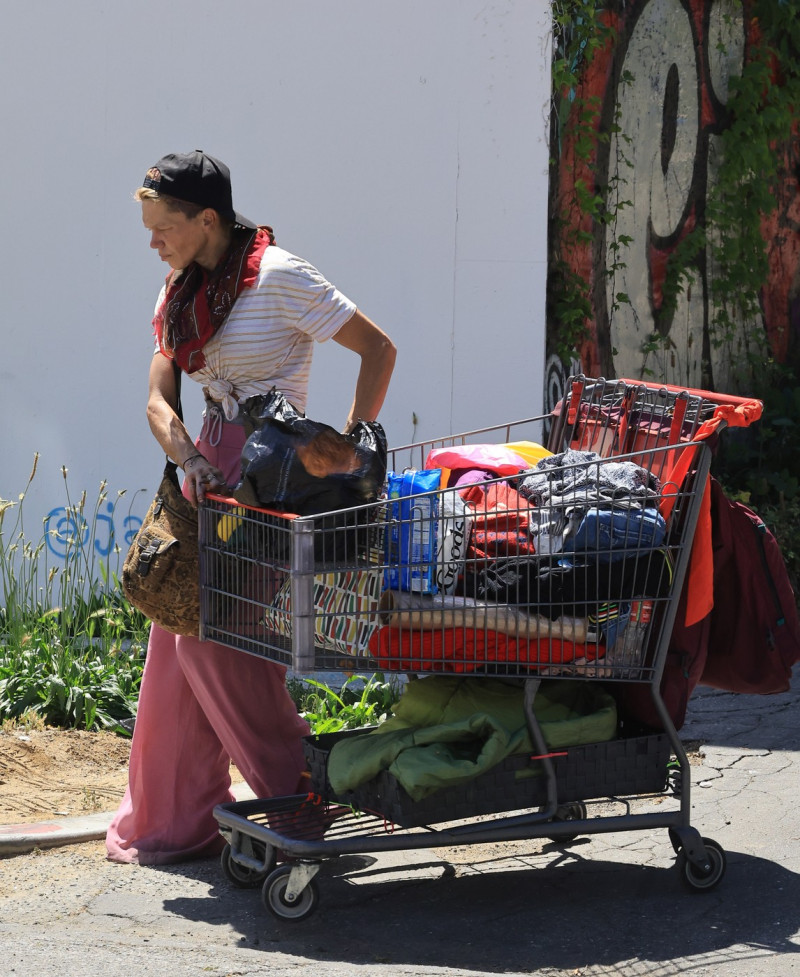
[{"x": 72, "y": 647}]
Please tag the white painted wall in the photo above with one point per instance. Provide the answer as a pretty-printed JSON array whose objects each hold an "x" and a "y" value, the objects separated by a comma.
[{"x": 399, "y": 146}]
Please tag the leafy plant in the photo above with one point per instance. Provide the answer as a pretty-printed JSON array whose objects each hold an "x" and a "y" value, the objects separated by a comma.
[
  {"x": 66, "y": 686},
  {"x": 359, "y": 702}
]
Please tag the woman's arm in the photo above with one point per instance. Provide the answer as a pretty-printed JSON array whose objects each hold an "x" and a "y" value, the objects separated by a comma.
[
  {"x": 171, "y": 433},
  {"x": 378, "y": 354}
]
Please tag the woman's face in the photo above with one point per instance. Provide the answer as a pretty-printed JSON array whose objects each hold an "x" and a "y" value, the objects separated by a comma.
[{"x": 179, "y": 239}]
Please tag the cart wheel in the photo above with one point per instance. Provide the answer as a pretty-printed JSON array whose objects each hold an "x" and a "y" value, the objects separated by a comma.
[
  {"x": 576, "y": 811},
  {"x": 273, "y": 895},
  {"x": 694, "y": 878},
  {"x": 240, "y": 875}
]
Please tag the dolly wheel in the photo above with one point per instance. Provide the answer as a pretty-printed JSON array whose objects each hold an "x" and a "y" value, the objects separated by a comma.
[
  {"x": 240, "y": 875},
  {"x": 697, "y": 880},
  {"x": 273, "y": 895}
]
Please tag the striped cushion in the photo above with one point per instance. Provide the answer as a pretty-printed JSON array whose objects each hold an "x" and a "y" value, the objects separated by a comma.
[{"x": 345, "y": 610}]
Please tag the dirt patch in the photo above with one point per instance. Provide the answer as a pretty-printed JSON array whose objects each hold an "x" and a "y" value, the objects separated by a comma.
[
  {"x": 56, "y": 772},
  {"x": 695, "y": 752}
]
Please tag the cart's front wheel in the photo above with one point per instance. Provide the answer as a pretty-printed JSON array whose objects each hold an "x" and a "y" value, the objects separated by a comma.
[
  {"x": 574, "y": 811},
  {"x": 240, "y": 875},
  {"x": 275, "y": 899},
  {"x": 695, "y": 878}
]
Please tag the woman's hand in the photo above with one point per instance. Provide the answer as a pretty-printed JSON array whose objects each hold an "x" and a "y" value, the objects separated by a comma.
[{"x": 201, "y": 477}]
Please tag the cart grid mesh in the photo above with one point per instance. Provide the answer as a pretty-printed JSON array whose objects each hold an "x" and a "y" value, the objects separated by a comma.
[{"x": 569, "y": 567}]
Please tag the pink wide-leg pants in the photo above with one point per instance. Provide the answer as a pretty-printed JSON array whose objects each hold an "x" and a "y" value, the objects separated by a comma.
[{"x": 202, "y": 705}]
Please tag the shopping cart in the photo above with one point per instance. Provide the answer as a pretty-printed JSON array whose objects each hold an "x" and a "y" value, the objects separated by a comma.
[{"x": 516, "y": 568}]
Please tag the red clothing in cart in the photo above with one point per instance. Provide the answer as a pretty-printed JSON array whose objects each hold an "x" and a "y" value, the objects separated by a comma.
[
  {"x": 466, "y": 649},
  {"x": 201, "y": 706}
]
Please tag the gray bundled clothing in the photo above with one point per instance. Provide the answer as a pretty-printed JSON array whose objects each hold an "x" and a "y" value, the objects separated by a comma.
[
  {"x": 576, "y": 476},
  {"x": 564, "y": 486}
]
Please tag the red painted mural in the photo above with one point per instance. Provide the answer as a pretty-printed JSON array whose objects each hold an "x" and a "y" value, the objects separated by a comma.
[{"x": 663, "y": 81}]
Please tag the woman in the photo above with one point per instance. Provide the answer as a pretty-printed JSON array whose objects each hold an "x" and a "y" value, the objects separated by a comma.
[{"x": 240, "y": 316}]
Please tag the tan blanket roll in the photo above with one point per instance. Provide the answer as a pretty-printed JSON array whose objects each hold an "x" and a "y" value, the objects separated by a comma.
[{"x": 421, "y": 612}]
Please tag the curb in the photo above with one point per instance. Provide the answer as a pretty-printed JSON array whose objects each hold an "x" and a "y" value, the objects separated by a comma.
[{"x": 18, "y": 839}]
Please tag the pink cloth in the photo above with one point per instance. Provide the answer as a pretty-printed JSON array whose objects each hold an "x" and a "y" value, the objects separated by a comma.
[{"x": 202, "y": 705}]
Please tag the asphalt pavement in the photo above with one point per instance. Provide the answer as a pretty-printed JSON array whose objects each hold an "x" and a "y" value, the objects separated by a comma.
[{"x": 601, "y": 905}]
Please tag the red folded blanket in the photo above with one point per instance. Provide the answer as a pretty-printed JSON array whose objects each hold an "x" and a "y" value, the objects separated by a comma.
[{"x": 463, "y": 649}]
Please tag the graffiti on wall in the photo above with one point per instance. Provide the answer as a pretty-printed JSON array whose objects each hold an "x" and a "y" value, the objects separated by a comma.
[
  {"x": 69, "y": 533},
  {"x": 664, "y": 82}
]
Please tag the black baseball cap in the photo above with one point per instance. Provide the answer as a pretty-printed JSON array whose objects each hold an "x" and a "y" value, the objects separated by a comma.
[{"x": 198, "y": 179}]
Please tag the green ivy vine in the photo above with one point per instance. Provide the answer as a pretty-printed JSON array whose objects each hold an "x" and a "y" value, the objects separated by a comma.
[{"x": 580, "y": 30}]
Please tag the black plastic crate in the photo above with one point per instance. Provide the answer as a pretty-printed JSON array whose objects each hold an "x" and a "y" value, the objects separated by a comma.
[{"x": 617, "y": 768}]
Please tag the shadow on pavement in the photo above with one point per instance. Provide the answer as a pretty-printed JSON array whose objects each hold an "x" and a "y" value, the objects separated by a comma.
[{"x": 574, "y": 912}]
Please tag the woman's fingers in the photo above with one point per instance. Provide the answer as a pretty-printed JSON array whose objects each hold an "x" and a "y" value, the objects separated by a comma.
[{"x": 202, "y": 477}]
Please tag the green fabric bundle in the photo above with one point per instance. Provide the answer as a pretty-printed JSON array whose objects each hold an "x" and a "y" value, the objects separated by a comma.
[{"x": 446, "y": 730}]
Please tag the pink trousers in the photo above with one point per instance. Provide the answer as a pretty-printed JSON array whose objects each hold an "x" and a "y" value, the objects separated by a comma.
[{"x": 202, "y": 705}]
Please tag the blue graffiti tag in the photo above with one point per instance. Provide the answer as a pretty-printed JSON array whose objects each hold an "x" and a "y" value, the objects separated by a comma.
[{"x": 67, "y": 532}]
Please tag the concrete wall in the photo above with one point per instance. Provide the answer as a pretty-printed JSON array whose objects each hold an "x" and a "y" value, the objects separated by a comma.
[{"x": 400, "y": 147}]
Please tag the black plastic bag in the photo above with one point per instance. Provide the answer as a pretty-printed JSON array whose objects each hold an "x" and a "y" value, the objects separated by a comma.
[{"x": 293, "y": 464}]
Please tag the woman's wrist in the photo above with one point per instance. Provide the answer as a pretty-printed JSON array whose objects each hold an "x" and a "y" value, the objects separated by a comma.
[{"x": 191, "y": 460}]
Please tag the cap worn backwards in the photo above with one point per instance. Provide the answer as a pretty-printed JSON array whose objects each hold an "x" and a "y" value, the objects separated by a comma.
[{"x": 196, "y": 178}]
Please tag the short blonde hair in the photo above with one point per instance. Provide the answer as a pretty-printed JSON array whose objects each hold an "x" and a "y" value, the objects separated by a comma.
[{"x": 185, "y": 207}]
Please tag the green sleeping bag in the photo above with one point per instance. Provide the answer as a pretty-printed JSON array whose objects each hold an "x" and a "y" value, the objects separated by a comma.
[{"x": 445, "y": 730}]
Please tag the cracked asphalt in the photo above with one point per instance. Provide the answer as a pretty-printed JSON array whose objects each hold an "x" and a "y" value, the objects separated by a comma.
[{"x": 606, "y": 904}]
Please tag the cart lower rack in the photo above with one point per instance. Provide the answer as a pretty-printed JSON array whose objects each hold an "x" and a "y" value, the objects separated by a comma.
[{"x": 530, "y": 590}]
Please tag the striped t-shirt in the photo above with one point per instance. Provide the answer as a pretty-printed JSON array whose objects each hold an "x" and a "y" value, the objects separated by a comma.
[{"x": 268, "y": 338}]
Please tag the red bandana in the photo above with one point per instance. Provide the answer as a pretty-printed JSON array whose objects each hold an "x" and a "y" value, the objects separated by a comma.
[{"x": 197, "y": 303}]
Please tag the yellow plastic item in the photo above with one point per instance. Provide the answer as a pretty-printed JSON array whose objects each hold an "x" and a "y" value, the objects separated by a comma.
[
  {"x": 529, "y": 450},
  {"x": 229, "y": 523}
]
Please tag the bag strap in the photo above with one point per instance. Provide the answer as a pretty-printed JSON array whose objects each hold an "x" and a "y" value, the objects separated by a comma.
[
  {"x": 171, "y": 467},
  {"x": 177, "y": 370}
]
